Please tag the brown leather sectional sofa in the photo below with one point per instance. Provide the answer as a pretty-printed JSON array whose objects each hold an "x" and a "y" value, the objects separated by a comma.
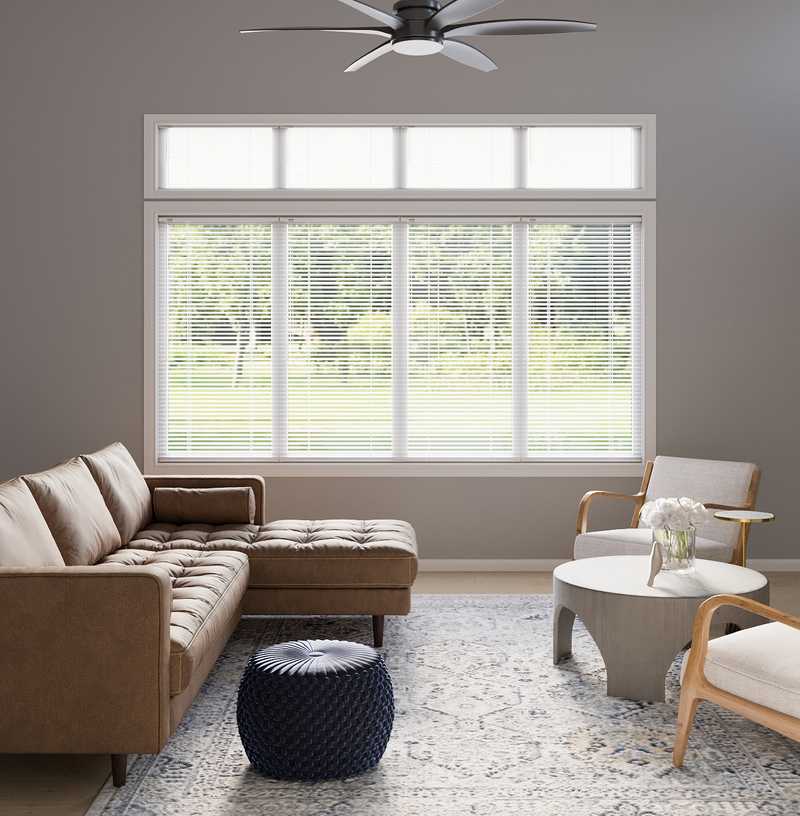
[{"x": 116, "y": 604}]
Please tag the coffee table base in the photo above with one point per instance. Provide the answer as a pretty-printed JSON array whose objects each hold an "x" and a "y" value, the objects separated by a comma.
[{"x": 638, "y": 637}]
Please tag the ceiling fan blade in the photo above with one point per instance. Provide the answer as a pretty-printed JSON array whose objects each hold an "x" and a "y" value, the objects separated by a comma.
[
  {"x": 459, "y": 10},
  {"x": 377, "y": 14},
  {"x": 380, "y": 32},
  {"x": 383, "y": 48},
  {"x": 468, "y": 55},
  {"x": 494, "y": 27}
]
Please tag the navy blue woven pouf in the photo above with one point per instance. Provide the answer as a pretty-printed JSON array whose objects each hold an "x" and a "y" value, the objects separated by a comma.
[{"x": 315, "y": 709}]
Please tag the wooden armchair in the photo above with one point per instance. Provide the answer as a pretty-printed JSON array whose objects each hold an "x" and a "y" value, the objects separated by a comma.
[
  {"x": 719, "y": 485},
  {"x": 754, "y": 672}
]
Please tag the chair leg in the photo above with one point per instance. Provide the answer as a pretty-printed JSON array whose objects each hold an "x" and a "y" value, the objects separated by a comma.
[
  {"x": 119, "y": 769},
  {"x": 377, "y": 630},
  {"x": 686, "y": 711}
]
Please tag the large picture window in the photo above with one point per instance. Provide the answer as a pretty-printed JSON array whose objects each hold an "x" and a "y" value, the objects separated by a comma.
[
  {"x": 456, "y": 331},
  {"x": 222, "y": 339}
]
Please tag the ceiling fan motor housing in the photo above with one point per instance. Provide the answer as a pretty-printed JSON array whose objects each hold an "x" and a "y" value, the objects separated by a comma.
[
  {"x": 416, "y": 9},
  {"x": 415, "y": 38}
]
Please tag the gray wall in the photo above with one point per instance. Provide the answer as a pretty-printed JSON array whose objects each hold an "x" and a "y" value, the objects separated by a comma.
[{"x": 722, "y": 76}]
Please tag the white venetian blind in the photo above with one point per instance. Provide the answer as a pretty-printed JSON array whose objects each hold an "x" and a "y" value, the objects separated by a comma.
[
  {"x": 584, "y": 158},
  {"x": 214, "y": 347},
  {"x": 452, "y": 158},
  {"x": 459, "y": 340},
  {"x": 217, "y": 158},
  {"x": 339, "y": 158},
  {"x": 584, "y": 367},
  {"x": 340, "y": 340}
]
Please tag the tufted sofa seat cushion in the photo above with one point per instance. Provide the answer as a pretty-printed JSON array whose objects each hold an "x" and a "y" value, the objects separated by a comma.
[
  {"x": 335, "y": 553},
  {"x": 207, "y": 589}
]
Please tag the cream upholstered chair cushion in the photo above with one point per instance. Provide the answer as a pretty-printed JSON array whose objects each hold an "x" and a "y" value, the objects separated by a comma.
[
  {"x": 707, "y": 480},
  {"x": 761, "y": 664},
  {"x": 638, "y": 541}
]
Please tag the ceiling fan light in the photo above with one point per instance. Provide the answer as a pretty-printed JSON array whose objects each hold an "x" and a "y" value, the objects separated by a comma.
[{"x": 417, "y": 46}]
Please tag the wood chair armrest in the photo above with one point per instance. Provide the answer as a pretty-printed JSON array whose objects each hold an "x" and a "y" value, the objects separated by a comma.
[
  {"x": 695, "y": 686},
  {"x": 588, "y": 498},
  {"x": 702, "y": 625}
]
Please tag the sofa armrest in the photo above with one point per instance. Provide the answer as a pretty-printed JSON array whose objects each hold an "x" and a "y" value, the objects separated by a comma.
[
  {"x": 255, "y": 482},
  {"x": 85, "y": 659}
]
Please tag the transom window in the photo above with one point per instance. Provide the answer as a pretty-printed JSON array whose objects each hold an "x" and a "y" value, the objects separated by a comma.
[
  {"x": 399, "y": 158},
  {"x": 290, "y": 330}
]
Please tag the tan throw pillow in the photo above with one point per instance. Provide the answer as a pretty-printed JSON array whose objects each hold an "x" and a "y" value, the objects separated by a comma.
[
  {"x": 25, "y": 539},
  {"x": 75, "y": 512},
  {"x": 123, "y": 487},
  {"x": 204, "y": 505}
]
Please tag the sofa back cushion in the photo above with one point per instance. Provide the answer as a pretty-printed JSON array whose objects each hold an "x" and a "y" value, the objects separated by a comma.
[
  {"x": 75, "y": 512},
  {"x": 25, "y": 538},
  {"x": 123, "y": 488}
]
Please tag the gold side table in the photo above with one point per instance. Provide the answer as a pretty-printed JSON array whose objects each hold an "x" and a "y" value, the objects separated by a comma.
[{"x": 744, "y": 518}]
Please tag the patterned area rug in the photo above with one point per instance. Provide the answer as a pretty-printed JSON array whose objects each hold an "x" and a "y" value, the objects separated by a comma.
[{"x": 485, "y": 725}]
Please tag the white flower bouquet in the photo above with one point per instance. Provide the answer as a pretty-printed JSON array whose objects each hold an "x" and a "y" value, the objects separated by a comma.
[
  {"x": 673, "y": 522},
  {"x": 674, "y": 514}
]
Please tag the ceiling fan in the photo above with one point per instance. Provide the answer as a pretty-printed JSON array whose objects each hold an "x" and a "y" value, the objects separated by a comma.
[{"x": 421, "y": 27}]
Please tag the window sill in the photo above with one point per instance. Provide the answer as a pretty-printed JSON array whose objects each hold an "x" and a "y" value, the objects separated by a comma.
[{"x": 414, "y": 469}]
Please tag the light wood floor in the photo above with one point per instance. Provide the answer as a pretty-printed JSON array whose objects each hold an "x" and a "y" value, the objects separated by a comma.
[{"x": 65, "y": 785}]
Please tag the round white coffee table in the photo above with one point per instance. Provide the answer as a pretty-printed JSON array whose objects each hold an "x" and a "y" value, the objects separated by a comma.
[{"x": 640, "y": 629}]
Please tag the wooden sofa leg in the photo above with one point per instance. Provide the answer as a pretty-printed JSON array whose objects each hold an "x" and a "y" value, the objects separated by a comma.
[
  {"x": 377, "y": 630},
  {"x": 119, "y": 769}
]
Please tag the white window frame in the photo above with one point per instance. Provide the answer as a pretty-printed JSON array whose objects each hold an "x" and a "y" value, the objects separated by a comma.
[
  {"x": 645, "y": 123},
  {"x": 511, "y": 204}
]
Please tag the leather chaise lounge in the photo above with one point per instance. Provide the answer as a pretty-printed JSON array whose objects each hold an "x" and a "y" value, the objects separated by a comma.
[{"x": 117, "y": 603}]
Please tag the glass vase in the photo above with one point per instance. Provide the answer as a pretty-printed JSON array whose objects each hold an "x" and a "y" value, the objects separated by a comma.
[{"x": 677, "y": 548}]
